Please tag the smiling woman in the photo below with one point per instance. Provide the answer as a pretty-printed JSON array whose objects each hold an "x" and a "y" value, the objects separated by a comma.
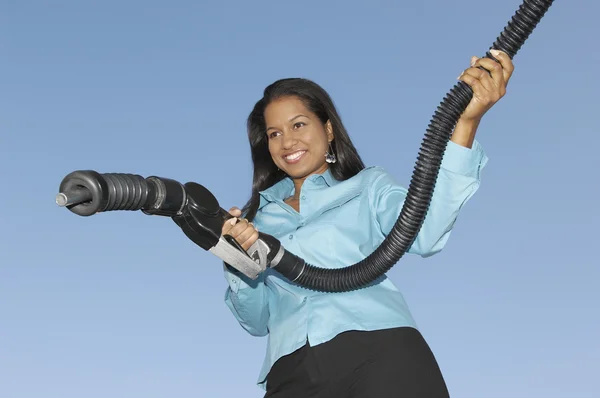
[
  {"x": 297, "y": 115},
  {"x": 312, "y": 191},
  {"x": 299, "y": 141},
  {"x": 292, "y": 130}
]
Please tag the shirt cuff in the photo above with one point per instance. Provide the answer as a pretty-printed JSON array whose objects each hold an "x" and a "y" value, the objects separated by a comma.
[{"x": 464, "y": 161}]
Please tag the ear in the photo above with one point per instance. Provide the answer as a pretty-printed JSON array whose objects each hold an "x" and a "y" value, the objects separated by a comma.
[{"x": 329, "y": 131}]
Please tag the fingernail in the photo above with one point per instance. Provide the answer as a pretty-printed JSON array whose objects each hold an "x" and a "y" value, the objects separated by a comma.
[
  {"x": 473, "y": 60},
  {"x": 495, "y": 52},
  {"x": 459, "y": 76},
  {"x": 232, "y": 221}
]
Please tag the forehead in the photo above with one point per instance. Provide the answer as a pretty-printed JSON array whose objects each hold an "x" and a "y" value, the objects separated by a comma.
[{"x": 284, "y": 109}]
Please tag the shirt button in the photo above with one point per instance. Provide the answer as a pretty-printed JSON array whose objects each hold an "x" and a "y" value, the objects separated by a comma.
[
  {"x": 291, "y": 236},
  {"x": 303, "y": 197}
]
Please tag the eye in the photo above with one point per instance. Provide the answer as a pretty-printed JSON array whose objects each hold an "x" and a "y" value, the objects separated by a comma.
[
  {"x": 273, "y": 134},
  {"x": 297, "y": 125}
]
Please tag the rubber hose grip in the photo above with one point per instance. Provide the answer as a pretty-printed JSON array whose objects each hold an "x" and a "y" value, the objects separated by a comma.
[
  {"x": 106, "y": 192},
  {"x": 126, "y": 191}
]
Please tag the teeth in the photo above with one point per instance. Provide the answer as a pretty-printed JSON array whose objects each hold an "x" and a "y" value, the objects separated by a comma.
[{"x": 295, "y": 156}]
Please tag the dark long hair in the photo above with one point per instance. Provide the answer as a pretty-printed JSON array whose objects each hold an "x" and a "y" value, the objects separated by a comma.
[{"x": 318, "y": 101}]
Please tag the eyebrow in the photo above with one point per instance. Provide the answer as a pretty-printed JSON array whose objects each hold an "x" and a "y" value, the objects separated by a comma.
[
  {"x": 291, "y": 120},
  {"x": 296, "y": 117}
]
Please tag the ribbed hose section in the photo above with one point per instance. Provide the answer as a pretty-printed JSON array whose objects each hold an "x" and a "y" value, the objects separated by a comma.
[
  {"x": 521, "y": 25},
  {"x": 125, "y": 191},
  {"x": 425, "y": 173}
]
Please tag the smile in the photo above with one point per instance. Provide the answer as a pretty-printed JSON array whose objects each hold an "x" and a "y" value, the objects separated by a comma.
[{"x": 294, "y": 157}]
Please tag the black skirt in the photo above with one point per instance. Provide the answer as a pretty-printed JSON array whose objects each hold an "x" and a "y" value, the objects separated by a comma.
[{"x": 358, "y": 364}]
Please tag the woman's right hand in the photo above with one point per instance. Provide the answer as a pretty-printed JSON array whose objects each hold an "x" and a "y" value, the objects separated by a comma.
[{"x": 240, "y": 229}]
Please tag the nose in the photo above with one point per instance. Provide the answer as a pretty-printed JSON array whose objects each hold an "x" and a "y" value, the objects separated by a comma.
[{"x": 289, "y": 141}]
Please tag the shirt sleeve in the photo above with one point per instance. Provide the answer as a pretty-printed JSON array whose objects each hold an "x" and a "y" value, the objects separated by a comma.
[
  {"x": 458, "y": 180},
  {"x": 247, "y": 300}
]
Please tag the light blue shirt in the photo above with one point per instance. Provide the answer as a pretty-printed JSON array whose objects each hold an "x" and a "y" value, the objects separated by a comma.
[{"x": 339, "y": 224}]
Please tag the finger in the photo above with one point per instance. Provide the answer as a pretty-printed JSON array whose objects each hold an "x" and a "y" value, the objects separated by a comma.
[
  {"x": 473, "y": 60},
  {"x": 495, "y": 70},
  {"x": 248, "y": 237},
  {"x": 228, "y": 225},
  {"x": 478, "y": 89},
  {"x": 250, "y": 241},
  {"x": 482, "y": 76},
  {"x": 238, "y": 228},
  {"x": 507, "y": 64}
]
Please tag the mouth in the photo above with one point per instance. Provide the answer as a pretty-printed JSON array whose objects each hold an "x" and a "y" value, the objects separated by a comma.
[{"x": 294, "y": 157}]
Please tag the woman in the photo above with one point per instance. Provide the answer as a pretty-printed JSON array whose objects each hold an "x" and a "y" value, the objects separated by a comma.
[{"x": 312, "y": 191}]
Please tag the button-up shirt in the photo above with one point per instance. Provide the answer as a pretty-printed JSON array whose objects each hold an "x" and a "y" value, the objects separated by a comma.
[{"x": 339, "y": 224}]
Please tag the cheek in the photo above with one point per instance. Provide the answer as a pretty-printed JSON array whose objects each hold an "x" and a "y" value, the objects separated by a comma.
[
  {"x": 320, "y": 144},
  {"x": 273, "y": 149}
]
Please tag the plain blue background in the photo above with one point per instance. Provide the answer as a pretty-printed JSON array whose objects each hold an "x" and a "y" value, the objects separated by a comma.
[{"x": 123, "y": 305}]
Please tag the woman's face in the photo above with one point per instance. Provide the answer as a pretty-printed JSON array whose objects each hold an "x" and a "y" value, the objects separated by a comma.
[{"x": 297, "y": 139}]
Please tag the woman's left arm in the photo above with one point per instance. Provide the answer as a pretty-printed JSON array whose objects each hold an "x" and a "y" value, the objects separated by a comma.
[{"x": 460, "y": 172}]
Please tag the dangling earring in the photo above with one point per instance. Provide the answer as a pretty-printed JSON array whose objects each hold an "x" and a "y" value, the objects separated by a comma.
[{"x": 330, "y": 157}]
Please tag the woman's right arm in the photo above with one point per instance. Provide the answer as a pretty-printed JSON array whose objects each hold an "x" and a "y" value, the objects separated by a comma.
[{"x": 245, "y": 297}]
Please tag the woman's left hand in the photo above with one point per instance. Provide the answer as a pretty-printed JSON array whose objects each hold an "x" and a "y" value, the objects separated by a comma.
[{"x": 487, "y": 89}]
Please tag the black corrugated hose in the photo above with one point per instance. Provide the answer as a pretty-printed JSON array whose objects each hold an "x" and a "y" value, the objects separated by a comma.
[
  {"x": 114, "y": 191},
  {"x": 426, "y": 171}
]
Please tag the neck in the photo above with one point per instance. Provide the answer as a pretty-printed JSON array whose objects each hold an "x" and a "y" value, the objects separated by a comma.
[
  {"x": 299, "y": 181},
  {"x": 297, "y": 187}
]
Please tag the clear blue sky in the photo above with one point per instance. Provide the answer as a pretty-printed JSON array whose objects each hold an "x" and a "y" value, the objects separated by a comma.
[{"x": 123, "y": 305}]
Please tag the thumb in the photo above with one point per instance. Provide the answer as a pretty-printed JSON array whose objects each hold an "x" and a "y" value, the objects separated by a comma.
[{"x": 234, "y": 211}]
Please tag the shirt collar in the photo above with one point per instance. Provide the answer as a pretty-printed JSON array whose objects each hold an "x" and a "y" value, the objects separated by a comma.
[{"x": 285, "y": 188}]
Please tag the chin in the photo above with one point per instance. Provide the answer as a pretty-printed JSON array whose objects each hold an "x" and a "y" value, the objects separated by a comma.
[
  {"x": 292, "y": 174},
  {"x": 302, "y": 169},
  {"x": 295, "y": 172}
]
